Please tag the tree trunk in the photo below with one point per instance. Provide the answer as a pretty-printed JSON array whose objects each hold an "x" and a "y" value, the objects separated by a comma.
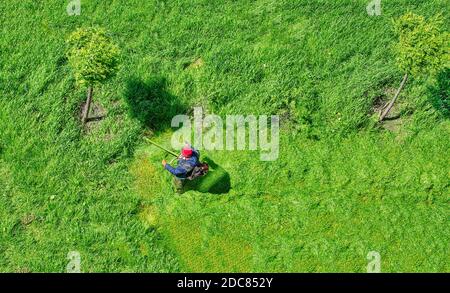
[
  {"x": 87, "y": 106},
  {"x": 391, "y": 103}
]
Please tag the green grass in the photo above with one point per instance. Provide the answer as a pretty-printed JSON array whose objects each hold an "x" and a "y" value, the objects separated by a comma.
[
  {"x": 367, "y": 193},
  {"x": 342, "y": 186}
]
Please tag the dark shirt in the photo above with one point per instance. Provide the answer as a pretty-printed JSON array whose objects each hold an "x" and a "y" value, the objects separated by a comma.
[{"x": 185, "y": 165}]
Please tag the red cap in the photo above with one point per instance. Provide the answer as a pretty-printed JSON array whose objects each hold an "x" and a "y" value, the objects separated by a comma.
[{"x": 186, "y": 152}]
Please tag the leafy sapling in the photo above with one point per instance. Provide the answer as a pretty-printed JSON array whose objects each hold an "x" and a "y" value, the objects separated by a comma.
[
  {"x": 422, "y": 49},
  {"x": 94, "y": 59}
]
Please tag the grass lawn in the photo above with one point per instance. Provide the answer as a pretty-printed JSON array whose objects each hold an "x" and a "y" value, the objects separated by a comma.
[{"x": 343, "y": 185}]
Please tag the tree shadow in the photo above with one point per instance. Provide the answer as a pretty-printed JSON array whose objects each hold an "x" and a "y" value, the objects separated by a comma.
[
  {"x": 440, "y": 93},
  {"x": 151, "y": 103},
  {"x": 390, "y": 118},
  {"x": 217, "y": 181}
]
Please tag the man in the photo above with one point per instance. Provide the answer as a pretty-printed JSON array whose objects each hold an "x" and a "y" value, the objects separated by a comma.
[{"x": 187, "y": 161}]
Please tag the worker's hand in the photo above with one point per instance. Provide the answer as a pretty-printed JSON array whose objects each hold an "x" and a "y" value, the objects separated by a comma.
[{"x": 164, "y": 163}]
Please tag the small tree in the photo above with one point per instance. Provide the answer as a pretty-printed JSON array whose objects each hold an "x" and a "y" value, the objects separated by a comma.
[
  {"x": 94, "y": 59},
  {"x": 422, "y": 49}
]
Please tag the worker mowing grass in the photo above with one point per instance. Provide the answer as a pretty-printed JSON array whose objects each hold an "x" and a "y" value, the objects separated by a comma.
[{"x": 188, "y": 167}]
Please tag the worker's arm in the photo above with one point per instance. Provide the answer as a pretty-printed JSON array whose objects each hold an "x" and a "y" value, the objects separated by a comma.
[{"x": 178, "y": 171}]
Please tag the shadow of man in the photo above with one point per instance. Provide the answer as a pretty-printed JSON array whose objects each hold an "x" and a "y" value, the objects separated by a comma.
[{"x": 216, "y": 181}]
